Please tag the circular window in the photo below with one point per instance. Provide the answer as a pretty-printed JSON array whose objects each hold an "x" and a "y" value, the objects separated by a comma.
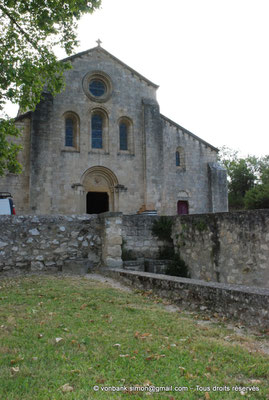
[{"x": 97, "y": 86}]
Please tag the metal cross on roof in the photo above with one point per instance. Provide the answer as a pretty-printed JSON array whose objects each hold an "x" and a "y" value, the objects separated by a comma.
[{"x": 99, "y": 42}]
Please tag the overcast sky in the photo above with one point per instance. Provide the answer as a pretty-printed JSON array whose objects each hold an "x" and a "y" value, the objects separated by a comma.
[{"x": 210, "y": 58}]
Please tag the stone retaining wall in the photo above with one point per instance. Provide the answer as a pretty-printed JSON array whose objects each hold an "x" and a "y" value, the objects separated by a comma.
[
  {"x": 45, "y": 242},
  {"x": 249, "y": 305},
  {"x": 138, "y": 238},
  {"x": 226, "y": 247}
]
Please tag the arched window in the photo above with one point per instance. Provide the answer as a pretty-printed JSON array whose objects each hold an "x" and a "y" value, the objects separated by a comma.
[
  {"x": 123, "y": 136},
  {"x": 97, "y": 131},
  {"x": 180, "y": 158},
  {"x": 69, "y": 132},
  {"x": 126, "y": 139},
  {"x": 177, "y": 158}
]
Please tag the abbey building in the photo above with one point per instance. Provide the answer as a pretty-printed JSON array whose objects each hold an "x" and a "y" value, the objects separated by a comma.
[{"x": 102, "y": 145}]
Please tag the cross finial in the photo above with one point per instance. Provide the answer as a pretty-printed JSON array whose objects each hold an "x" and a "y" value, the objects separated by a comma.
[{"x": 99, "y": 42}]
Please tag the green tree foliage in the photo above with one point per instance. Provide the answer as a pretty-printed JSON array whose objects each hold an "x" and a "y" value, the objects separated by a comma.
[
  {"x": 264, "y": 170},
  {"x": 248, "y": 179},
  {"x": 257, "y": 197},
  {"x": 30, "y": 30},
  {"x": 8, "y": 149}
]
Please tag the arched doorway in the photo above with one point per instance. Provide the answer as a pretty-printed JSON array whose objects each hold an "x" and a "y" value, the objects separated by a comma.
[
  {"x": 99, "y": 187},
  {"x": 97, "y": 202}
]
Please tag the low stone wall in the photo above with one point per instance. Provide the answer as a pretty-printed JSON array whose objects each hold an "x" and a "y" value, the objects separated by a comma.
[
  {"x": 226, "y": 247},
  {"x": 248, "y": 305},
  {"x": 45, "y": 242},
  {"x": 138, "y": 238}
]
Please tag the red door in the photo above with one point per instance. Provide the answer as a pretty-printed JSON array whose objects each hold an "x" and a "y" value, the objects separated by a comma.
[{"x": 182, "y": 207}]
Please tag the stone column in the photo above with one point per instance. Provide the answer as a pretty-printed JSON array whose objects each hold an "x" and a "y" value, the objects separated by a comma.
[{"x": 112, "y": 239}]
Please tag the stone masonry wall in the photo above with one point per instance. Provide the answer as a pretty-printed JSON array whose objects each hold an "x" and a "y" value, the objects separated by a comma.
[
  {"x": 138, "y": 238},
  {"x": 46, "y": 242},
  {"x": 226, "y": 247}
]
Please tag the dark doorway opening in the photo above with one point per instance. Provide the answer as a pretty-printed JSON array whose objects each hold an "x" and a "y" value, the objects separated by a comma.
[
  {"x": 182, "y": 207},
  {"x": 97, "y": 202}
]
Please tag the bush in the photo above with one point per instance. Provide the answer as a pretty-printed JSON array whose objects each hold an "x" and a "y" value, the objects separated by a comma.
[
  {"x": 162, "y": 228},
  {"x": 258, "y": 197},
  {"x": 166, "y": 253},
  {"x": 236, "y": 201},
  {"x": 177, "y": 267}
]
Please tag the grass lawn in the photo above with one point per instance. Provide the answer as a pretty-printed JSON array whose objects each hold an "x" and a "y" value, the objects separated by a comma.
[{"x": 61, "y": 336}]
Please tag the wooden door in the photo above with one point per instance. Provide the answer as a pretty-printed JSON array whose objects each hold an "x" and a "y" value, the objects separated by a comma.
[{"x": 182, "y": 207}]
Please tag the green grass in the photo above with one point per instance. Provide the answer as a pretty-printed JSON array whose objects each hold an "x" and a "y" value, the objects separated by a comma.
[{"x": 157, "y": 347}]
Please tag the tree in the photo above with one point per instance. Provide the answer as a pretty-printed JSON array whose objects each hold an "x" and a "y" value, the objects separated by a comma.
[
  {"x": 29, "y": 32},
  {"x": 248, "y": 179},
  {"x": 257, "y": 197},
  {"x": 241, "y": 175}
]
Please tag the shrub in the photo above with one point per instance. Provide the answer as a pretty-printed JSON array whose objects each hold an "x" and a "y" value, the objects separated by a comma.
[
  {"x": 258, "y": 197},
  {"x": 177, "y": 267},
  {"x": 162, "y": 228},
  {"x": 166, "y": 253}
]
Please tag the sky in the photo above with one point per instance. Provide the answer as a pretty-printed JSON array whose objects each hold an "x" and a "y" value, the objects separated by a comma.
[{"x": 209, "y": 57}]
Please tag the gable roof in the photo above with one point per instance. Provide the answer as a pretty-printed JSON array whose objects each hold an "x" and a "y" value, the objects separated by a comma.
[
  {"x": 189, "y": 133},
  {"x": 101, "y": 50}
]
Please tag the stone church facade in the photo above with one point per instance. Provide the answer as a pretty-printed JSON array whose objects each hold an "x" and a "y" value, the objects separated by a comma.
[{"x": 102, "y": 145}]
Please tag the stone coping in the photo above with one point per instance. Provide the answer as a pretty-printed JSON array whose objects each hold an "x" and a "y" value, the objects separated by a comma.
[{"x": 47, "y": 217}]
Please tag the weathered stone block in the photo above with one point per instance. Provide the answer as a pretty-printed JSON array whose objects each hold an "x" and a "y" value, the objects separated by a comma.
[
  {"x": 113, "y": 263},
  {"x": 114, "y": 251},
  {"x": 115, "y": 240},
  {"x": 37, "y": 266}
]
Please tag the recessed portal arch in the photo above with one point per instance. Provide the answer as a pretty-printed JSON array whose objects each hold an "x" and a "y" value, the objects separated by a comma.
[{"x": 99, "y": 186}]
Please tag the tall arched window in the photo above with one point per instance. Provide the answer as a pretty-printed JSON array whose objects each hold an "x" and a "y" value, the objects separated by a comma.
[
  {"x": 97, "y": 131},
  {"x": 126, "y": 136},
  {"x": 69, "y": 132},
  {"x": 177, "y": 158},
  {"x": 180, "y": 158},
  {"x": 123, "y": 136}
]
